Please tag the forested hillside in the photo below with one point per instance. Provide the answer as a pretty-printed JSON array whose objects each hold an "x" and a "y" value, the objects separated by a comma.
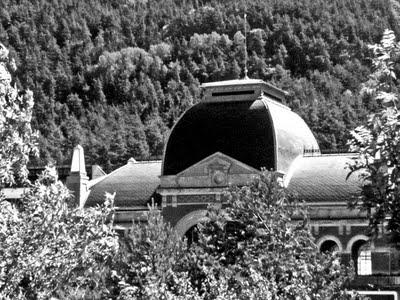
[{"x": 114, "y": 75}]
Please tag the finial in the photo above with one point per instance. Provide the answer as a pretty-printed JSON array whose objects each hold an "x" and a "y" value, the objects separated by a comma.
[{"x": 245, "y": 47}]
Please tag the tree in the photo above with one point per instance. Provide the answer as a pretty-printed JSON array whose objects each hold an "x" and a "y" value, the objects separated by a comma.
[
  {"x": 48, "y": 247},
  {"x": 51, "y": 249},
  {"x": 260, "y": 247},
  {"x": 257, "y": 247},
  {"x": 378, "y": 141},
  {"x": 17, "y": 136},
  {"x": 154, "y": 262},
  {"x": 105, "y": 54}
]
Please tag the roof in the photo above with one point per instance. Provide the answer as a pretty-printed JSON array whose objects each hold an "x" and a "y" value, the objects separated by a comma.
[
  {"x": 292, "y": 135},
  {"x": 247, "y": 81},
  {"x": 323, "y": 179},
  {"x": 232, "y": 82},
  {"x": 262, "y": 133},
  {"x": 241, "y": 130},
  {"x": 134, "y": 184}
]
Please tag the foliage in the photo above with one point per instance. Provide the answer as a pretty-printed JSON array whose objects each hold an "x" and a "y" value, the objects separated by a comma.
[
  {"x": 96, "y": 63},
  {"x": 378, "y": 141},
  {"x": 48, "y": 248},
  {"x": 17, "y": 138},
  {"x": 152, "y": 264},
  {"x": 51, "y": 249},
  {"x": 260, "y": 247}
]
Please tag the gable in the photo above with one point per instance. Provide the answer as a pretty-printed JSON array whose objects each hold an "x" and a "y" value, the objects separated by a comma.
[{"x": 216, "y": 170}]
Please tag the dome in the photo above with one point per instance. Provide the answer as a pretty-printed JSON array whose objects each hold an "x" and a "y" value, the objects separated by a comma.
[{"x": 243, "y": 119}]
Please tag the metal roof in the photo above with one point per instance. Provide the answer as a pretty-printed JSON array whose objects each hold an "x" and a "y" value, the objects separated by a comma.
[
  {"x": 241, "y": 130},
  {"x": 134, "y": 184},
  {"x": 314, "y": 179},
  {"x": 259, "y": 133},
  {"x": 323, "y": 179}
]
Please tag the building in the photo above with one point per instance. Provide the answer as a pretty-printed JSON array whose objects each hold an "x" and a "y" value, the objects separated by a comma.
[{"x": 240, "y": 127}]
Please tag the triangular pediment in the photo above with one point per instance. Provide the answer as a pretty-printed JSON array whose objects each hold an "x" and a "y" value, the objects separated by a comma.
[
  {"x": 215, "y": 171},
  {"x": 217, "y": 162}
]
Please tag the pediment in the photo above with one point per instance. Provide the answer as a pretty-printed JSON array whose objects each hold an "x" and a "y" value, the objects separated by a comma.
[
  {"x": 215, "y": 171},
  {"x": 217, "y": 162}
]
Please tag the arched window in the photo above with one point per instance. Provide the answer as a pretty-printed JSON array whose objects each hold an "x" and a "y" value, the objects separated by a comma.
[
  {"x": 361, "y": 253},
  {"x": 329, "y": 246}
]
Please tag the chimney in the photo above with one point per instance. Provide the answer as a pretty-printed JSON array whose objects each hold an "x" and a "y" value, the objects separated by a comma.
[{"x": 77, "y": 180}]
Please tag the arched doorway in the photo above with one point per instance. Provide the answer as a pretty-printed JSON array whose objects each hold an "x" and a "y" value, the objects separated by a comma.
[{"x": 189, "y": 221}]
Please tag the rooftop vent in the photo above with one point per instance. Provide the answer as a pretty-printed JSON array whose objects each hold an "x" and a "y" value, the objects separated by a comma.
[{"x": 240, "y": 90}]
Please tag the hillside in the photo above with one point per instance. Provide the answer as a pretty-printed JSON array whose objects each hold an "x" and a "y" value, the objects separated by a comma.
[{"x": 114, "y": 75}]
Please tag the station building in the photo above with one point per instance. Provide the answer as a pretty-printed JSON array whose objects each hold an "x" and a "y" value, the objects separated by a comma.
[{"x": 240, "y": 127}]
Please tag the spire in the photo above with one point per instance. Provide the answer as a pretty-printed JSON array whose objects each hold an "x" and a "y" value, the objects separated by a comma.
[{"x": 245, "y": 47}]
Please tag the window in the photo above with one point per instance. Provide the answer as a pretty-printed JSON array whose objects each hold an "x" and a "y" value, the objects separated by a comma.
[
  {"x": 364, "y": 262},
  {"x": 361, "y": 253},
  {"x": 329, "y": 246}
]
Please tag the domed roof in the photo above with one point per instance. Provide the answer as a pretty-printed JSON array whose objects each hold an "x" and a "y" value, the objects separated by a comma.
[
  {"x": 237, "y": 129},
  {"x": 242, "y": 119}
]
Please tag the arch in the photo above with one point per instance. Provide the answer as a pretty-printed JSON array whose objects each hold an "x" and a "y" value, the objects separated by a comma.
[
  {"x": 330, "y": 238},
  {"x": 360, "y": 247},
  {"x": 190, "y": 220},
  {"x": 356, "y": 238}
]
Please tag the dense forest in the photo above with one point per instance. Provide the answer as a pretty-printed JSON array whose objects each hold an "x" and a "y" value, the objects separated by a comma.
[{"x": 114, "y": 75}]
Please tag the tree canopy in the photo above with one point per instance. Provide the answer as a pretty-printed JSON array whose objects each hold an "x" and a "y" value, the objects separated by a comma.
[
  {"x": 259, "y": 246},
  {"x": 17, "y": 136},
  {"x": 48, "y": 247},
  {"x": 378, "y": 140},
  {"x": 115, "y": 75}
]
